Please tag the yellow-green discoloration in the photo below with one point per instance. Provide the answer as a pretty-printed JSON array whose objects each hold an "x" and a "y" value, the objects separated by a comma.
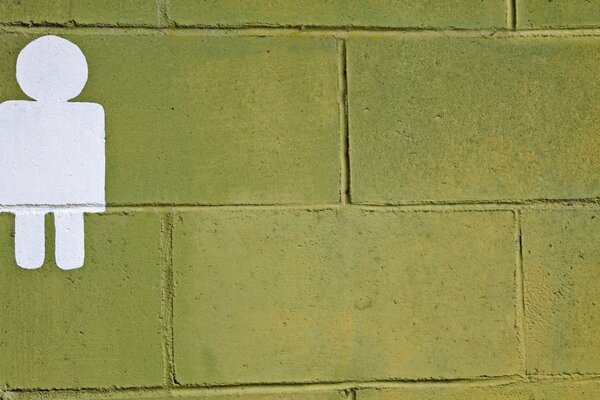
[
  {"x": 211, "y": 120},
  {"x": 379, "y": 13},
  {"x": 503, "y": 391},
  {"x": 161, "y": 394},
  {"x": 81, "y": 12},
  {"x": 561, "y": 252},
  {"x": 466, "y": 119},
  {"x": 558, "y": 14},
  {"x": 343, "y": 295},
  {"x": 228, "y": 257},
  {"x": 97, "y": 326}
]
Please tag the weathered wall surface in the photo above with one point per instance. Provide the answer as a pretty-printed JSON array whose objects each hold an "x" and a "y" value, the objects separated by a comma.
[{"x": 325, "y": 200}]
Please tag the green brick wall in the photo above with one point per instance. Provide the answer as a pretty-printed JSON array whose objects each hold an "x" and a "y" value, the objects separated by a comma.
[{"x": 322, "y": 200}]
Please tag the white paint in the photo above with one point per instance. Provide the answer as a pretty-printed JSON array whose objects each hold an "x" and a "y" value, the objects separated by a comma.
[
  {"x": 29, "y": 239},
  {"x": 51, "y": 153},
  {"x": 69, "y": 239}
]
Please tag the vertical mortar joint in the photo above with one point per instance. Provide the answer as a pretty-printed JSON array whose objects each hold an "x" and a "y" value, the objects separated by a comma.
[
  {"x": 520, "y": 293},
  {"x": 167, "y": 299},
  {"x": 511, "y": 7},
  {"x": 162, "y": 9},
  {"x": 345, "y": 195}
]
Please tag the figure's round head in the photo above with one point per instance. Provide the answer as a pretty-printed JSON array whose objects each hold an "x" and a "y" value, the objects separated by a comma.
[{"x": 51, "y": 69}]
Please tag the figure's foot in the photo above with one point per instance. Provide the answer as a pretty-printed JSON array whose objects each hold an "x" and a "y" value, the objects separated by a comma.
[
  {"x": 69, "y": 244},
  {"x": 29, "y": 240}
]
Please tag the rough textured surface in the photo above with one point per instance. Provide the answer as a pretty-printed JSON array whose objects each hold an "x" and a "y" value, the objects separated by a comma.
[
  {"x": 467, "y": 119},
  {"x": 272, "y": 296},
  {"x": 235, "y": 120},
  {"x": 82, "y": 12},
  {"x": 561, "y": 252},
  {"x": 203, "y": 395},
  {"x": 514, "y": 391},
  {"x": 558, "y": 14},
  {"x": 379, "y": 13},
  {"x": 229, "y": 124},
  {"x": 93, "y": 327}
]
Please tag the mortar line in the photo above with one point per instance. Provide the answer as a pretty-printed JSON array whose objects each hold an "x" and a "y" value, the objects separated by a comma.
[
  {"x": 520, "y": 294},
  {"x": 484, "y": 203},
  {"x": 511, "y": 14},
  {"x": 328, "y": 32},
  {"x": 353, "y": 394},
  {"x": 279, "y": 387},
  {"x": 345, "y": 196},
  {"x": 558, "y": 205},
  {"x": 492, "y": 205},
  {"x": 163, "y": 19},
  {"x": 515, "y": 15},
  {"x": 291, "y": 387},
  {"x": 240, "y": 27},
  {"x": 158, "y": 12},
  {"x": 424, "y": 203},
  {"x": 167, "y": 299}
]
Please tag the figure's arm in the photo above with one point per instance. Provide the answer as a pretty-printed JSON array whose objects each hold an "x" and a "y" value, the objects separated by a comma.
[
  {"x": 93, "y": 115},
  {"x": 96, "y": 119}
]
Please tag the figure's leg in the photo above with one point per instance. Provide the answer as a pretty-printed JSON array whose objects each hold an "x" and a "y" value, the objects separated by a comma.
[
  {"x": 69, "y": 242},
  {"x": 29, "y": 240}
]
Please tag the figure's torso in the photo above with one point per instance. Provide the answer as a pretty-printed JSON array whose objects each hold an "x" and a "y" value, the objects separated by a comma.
[{"x": 51, "y": 154}]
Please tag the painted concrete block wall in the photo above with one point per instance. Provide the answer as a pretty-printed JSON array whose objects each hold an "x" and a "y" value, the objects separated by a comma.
[
  {"x": 365, "y": 13},
  {"x": 329, "y": 200}
]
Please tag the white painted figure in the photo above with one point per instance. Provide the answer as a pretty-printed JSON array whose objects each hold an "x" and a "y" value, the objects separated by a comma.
[{"x": 51, "y": 153}]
